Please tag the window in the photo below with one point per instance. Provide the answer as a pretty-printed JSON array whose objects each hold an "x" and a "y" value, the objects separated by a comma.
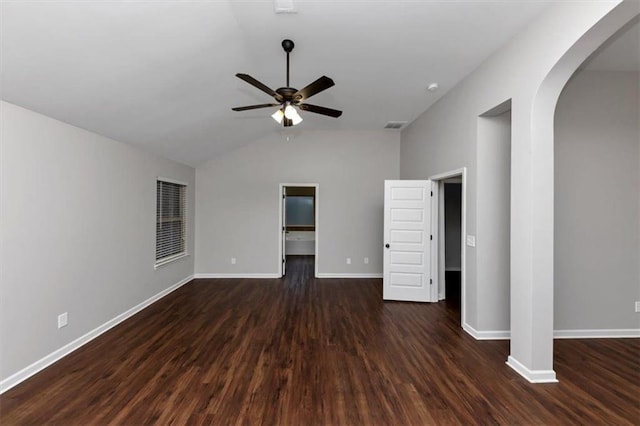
[
  {"x": 170, "y": 221},
  {"x": 300, "y": 210}
]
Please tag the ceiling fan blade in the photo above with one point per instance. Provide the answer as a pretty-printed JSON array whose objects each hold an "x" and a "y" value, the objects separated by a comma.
[
  {"x": 245, "y": 108},
  {"x": 255, "y": 83},
  {"x": 320, "y": 110},
  {"x": 323, "y": 83}
]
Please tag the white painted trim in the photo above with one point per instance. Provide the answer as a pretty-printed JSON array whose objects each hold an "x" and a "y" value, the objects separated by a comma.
[
  {"x": 348, "y": 275},
  {"x": 58, "y": 354},
  {"x": 463, "y": 247},
  {"x": 597, "y": 334},
  {"x": 170, "y": 259},
  {"x": 628, "y": 333},
  {"x": 236, "y": 275},
  {"x": 440, "y": 249},
  {"x": 487, "y": 334},
  {"x": 169, "y": 180},
  {"x": 533, "y": 376},
  {"x": 435, "y": 241},
  {"x": 452, "y": 173},
  {"x": 317, "y": 225}
]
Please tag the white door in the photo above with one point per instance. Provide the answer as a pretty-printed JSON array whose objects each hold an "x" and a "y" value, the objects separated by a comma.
[
  {"x": 284, "y": 230},
  {"x": 407, "y": 241}
]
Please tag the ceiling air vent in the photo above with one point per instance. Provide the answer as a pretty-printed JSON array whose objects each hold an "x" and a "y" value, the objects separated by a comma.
[{"x": 395, "y": 124}]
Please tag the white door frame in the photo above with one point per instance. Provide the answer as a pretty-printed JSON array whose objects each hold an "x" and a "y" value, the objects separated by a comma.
[
  {"x": 317, "y": 224},
  {"x": 438, "y": 209}
]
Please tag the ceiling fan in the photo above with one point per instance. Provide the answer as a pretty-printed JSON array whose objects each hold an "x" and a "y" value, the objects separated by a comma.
[{"x": 287, "y": 97}]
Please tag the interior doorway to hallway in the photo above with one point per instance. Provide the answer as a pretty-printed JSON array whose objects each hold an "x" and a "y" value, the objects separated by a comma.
[
  {"x": 451, "y": 290},
  {"x": 449, "y": 219},
  {"x": 298, "y": 223}
]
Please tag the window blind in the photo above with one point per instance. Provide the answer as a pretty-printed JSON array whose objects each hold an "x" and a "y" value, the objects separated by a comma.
[{"x": 170, "y": 220}]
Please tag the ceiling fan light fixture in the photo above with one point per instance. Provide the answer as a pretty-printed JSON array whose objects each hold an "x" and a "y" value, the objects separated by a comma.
[
  {"x": 291, "y": 113},
  {"x": 278, "y": 115},
  {"x": 296, "y": 119}
]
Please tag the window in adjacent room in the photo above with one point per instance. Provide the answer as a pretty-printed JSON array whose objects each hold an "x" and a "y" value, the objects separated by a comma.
[
  {"x": 170, "y": 221},
  {"x": 300, "y": 211}
]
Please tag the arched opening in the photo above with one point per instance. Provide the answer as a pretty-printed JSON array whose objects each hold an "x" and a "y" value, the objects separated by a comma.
[
  {"x": 532, "y": 304},
  {"x": 597, "y": 200}
]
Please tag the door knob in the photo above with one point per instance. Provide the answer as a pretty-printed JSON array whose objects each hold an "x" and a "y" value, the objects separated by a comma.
[{"x": 386, "y": 245}]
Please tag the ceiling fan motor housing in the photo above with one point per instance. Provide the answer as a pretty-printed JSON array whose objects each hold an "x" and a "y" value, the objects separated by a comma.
[{"x": 288, "y": 93}]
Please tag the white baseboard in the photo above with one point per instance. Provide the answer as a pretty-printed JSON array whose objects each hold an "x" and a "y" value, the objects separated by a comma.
[
  {"x": 236, "y": 275},
  {"x": 558, "y": 334},
  {"x": 56, "y": 355},
  {"x": 533, "y": 376},
  {"x": 348, "y": 275},
  {"x": 487, "y": 335},
  {"x": 597, "y": 334},
  {"x": 271, "y": 275}
]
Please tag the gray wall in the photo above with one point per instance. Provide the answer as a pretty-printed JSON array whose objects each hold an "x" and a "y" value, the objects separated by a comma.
[
  {"x": 493, "y": 202},
  {"x": 78, "y": 233},
  {"x": 597, "y": 216},
  {"x": 237, "y": 200},
  {"x": 445, "y": 138}
]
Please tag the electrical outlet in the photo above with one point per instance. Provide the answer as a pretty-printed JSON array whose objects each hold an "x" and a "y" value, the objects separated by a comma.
[
  {"x": 348, "y": 261},
  {"x": 366, "y": 260},
  {"x": 233, "y": 260},
  {"x": 63, "y": 320},
  {"x": 637, "y": 306}
]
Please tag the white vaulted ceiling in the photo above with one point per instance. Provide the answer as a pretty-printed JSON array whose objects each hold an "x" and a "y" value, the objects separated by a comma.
[{"x": 160, "y": 74}]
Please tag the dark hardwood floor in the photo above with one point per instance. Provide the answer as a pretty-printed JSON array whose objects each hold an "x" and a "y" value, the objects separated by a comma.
[{"x": 303, "y": 351}]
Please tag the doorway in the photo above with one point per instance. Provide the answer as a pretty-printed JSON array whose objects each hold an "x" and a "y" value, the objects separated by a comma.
[
  {"x": 450, "y": 218},
  {"x": 298, "y": 226},
  {"x": 450, "y": 290}
]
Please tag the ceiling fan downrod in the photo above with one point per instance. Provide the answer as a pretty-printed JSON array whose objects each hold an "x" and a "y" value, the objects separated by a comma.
[{"x": 288, "y": 46}]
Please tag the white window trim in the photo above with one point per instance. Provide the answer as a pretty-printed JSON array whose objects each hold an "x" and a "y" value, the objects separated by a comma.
[
  {"x": 170, "y": 259},
  {"x": 169, "y": 180}
]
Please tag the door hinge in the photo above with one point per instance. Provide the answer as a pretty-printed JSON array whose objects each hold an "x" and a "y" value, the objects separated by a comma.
[
  {"x": 431, "y": 238},
  {"x": 284, "y": 196},
  {"x": 283, "y": 260},
  {"x": 432, "y": 193},
  {"x": 430, "y": 281},
  {"x": 283, "y": 228}
]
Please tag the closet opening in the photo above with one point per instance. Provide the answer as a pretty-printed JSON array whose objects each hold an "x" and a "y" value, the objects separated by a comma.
[{"x": 298, "y": 224}]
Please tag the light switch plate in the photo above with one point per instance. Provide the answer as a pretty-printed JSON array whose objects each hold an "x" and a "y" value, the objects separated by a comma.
[{"x": 471, "y": 240}]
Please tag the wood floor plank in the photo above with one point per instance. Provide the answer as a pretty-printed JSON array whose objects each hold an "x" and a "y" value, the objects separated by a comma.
[{"x": 305, "y": 351}]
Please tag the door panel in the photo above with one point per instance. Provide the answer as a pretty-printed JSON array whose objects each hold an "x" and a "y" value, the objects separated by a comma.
[
  {"x": 407, "y": 238},
  {"x": 406, "y": 258},
  {"x": 407, "y": 215}
]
